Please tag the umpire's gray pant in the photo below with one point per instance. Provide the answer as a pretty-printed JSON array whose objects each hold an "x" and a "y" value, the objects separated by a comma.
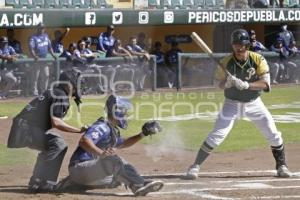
[
  {"x": 52, "y": 148},
  {"x": 102, "y": 171}
]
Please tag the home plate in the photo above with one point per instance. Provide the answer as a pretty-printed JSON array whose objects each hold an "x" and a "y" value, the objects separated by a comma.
[{"x": 252, "y": 185}]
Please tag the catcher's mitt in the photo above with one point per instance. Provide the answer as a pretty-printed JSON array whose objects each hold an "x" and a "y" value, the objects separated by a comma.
[{"x": 151, "y": 127}]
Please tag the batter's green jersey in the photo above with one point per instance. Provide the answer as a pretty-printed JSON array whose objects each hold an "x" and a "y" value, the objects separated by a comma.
[{"x": 250, "y": 70}]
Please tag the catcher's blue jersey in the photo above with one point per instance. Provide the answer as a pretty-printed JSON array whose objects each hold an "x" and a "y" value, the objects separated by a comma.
[{"x": 102, "y": 135}]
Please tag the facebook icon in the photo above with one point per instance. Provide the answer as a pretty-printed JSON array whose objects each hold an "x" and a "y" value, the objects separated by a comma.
[{"x": 90, "y": 18}]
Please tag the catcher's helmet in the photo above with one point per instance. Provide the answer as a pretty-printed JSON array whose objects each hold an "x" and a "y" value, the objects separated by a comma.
[
  {"x": 72, "y": 76},
  {"x": 116, "y": 108},
  {"x": 240, "y": 36}
]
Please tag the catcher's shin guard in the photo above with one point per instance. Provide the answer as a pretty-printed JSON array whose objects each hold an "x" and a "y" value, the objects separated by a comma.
[{"x": 279, "y": 155}]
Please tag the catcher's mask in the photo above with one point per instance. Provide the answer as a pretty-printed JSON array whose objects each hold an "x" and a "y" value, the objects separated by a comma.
[
  {"x": 240, "y": 36},
  {"x": 117, "y": 108},
  {"x": 72, "y": 76}
]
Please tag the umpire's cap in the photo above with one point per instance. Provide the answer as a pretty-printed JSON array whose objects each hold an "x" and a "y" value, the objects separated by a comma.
[
  {"x": 3, "y": 40},
  {"x": 240, "y": 36}
]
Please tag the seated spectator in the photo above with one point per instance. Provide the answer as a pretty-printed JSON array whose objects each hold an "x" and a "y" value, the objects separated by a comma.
[
  {"x": 57, "y": 44},
  {"x": 106, "y": 39},
  {"x": 15, "y": 44},
  {"x": 255, "y": 45},
  {"x": 8, "y": 56}
]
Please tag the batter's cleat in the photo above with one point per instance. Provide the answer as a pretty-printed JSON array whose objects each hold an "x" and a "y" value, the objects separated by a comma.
[
  {"x": 151, "y": 186},
  {"x": 192, "y": 172},
  {"x": 283, "y": 172}
]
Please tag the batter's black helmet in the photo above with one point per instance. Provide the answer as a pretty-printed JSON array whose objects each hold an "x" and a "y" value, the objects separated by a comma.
[
  {"x": 240, "y": 36},
  {"x": 72, "y": 76}
]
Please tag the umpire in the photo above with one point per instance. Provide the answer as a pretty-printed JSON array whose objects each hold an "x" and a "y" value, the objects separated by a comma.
[{"x": 32, "y": 128}]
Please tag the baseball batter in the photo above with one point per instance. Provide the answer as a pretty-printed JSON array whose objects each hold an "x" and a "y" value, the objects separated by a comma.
[{"x": 249, "y": 75}]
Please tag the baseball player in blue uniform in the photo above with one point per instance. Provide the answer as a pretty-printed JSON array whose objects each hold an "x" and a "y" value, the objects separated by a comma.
[
  {"x": 249, "y": 75},
  {"x": 8, "y": 56},
  {"x": 95, "y": 162},
  {"x": 40, "y": 46},
  {"x": 33, "y": 128}
]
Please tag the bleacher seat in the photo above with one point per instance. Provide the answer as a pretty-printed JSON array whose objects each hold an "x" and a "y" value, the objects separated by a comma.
[
  {"x": 79, "y": 4},
  {"x": 103, "y": 4},
  {"x": 209, "y": 4},
  {"x": 198, "y": 4},
  {"x": 12, "y": 3},
  {"x": 25, "y": 4},
  {"x": 176, "y": 4},
  {"x": 220, "y": 4},
  {"x": 65, "y": 4},
  {"x": 294, "y": 4},
  {"x": 167, "y": 4},
  {"x": 38, "y": 3},
  {"x": 153, "y": 4},
  {"x": 188, "y": 4},
  {"x": 50, "y": 4}
]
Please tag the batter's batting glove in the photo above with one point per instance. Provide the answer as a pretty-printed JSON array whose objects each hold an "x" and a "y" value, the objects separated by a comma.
[
  {"x": 229, "y": 81},
  {"x": 241, "y": 85},
  {"x": 151, "y": 128}
]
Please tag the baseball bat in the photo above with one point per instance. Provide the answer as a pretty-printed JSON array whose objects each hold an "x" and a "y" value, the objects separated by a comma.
[{"x": 197, "y": 39}]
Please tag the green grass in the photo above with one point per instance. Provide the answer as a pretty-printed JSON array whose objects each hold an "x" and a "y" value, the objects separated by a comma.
[
  {"x": 15, "y": 156},
  {"x": 185, "y": 134}
]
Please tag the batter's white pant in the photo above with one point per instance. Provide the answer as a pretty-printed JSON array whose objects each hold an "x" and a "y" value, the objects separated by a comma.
[{"x": 255, "y": 111}]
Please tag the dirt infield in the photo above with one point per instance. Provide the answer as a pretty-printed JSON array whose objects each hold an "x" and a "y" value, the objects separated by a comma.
[{"x": 241, "y": 175}]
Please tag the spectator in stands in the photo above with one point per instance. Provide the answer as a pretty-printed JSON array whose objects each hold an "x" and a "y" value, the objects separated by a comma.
[
  {"x": 8, "y": 56},
  {"x": 286, "y": 35},
  {"x": 57, "y": 44},
  {"x": 143, "y": 67},
  {"x": 255, "y": 45},
  {"x": 164, "y": 74},
  {"x": 106, "y": 39},
  {"x": 15, "y": 44},
  {"x": 40, "y": 46}
]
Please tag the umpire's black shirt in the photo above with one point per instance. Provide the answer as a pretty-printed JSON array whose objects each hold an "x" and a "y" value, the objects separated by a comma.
[{"x": 51, "y": 103}]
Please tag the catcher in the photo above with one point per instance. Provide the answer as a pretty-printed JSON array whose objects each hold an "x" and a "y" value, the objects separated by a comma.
[{"x": 95, "y": 162}]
